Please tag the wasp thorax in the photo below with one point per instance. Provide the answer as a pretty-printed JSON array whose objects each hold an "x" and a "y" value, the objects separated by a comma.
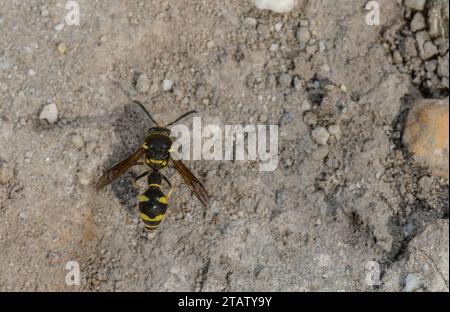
[{"x": 157, "y": 145}]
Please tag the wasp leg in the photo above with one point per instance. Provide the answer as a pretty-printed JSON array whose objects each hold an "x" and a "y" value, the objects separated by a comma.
[{"x": 170, "y": 185}]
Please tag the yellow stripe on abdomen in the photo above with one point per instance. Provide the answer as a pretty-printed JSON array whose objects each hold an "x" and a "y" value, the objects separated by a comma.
[
  {"x": 148, "y": 219},
  {"x": 143, "y": 198}
]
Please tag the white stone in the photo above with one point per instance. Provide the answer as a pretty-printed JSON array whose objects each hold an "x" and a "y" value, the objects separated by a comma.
[
  {"x": 142, "y": 84},
  {"x": 44, "y": 11},
  {"x": 278, "y": 26},
  {"x": 167, "y": 85},
  {"x": 412, "y": 283},
  {"x": 415, "y": 4},
  {"x": 59, "y": 27},
  {"x": 49, "y": 113},
  {"x": 322, "y": 46},
  {"x": 335, "y": 130},
  {"x": 77, "y": 141},
  {"x": 274, "y": 47},
  {"x": 320, "y": 135},
  {"x": 278, "y": 6},
  {"x": 84, "y": 178}
]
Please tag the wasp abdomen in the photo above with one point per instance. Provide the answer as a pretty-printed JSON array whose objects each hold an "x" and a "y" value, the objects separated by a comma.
[{"x": 152, "y": 206}]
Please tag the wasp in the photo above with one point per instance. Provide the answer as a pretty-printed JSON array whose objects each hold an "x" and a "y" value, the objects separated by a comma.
[{"x": 156, "y": 151}]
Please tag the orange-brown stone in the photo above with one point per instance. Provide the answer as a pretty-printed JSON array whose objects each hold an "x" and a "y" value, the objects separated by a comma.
[{"x": 426, "y": 135}]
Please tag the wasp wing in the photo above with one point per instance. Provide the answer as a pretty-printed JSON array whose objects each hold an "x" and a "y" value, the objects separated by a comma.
[
  {"x": 194, "y": 184},
  {"x": 116, "y": 171}
]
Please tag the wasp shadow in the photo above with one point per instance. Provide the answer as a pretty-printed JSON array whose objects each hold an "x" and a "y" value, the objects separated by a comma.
[{"x": 130, "y": 125}]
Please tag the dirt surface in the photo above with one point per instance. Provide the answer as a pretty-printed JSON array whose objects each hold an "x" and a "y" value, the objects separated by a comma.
[{"x": 313, "y": 224}]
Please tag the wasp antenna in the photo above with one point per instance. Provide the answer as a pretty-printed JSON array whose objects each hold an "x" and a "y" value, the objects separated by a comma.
[
  {"x": 146, "y": 111},
  {"x": 181, "y": 117}
]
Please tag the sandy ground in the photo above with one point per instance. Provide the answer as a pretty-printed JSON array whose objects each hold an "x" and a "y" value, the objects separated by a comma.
[{"x": 329, "y": 218}]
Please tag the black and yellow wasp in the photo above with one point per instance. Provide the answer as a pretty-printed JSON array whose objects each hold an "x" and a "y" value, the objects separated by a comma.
[{"x": 156, "y": 149}]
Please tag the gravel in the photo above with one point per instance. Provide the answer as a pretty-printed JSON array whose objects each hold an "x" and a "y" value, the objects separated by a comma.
[
  {"x": 349, "y": 201},
  {"x": 320, "y": 135},
  {"x": 285, "y": 80},
  {"x": 167, "y": 85},
  {"x": 250, "y": 21},
  {"x": 62, "y": 48},
  {"x": 303, "y": 35},
  {"x": 415, "y": 4},
  {"x": 418, "y": 22},
  {"x": 49, "y": 113},
  {"x": 279, "y": 6},
  {"x": 77, "y": 141},
  {"x": 412, "y": 283},
  {"x": 143, "y": 84}
]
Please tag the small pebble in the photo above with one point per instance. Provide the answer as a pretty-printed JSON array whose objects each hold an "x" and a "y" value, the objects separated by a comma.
[
  {"x": 44, "y": 11},
  {"x": 28, "y": 155},
  {"x": 335, "y": 131},
  {"x": 285, "y": 80},
  {"x": 429, "y": 50},
  {"x": 417, "y": 5},
  {"x": 418, "y": 22},
  {"x": 303, "y": 34},
  {"x": 83, "y": 178},
  {"x": 59, "y": 27},
  {"x": 304, "y": 22},
  {"x": 278, "y": 6},
  {"x": 77, "y": 141},
  {"x": 274, "y": 47},
  {"x": 306, "y": 106},
  {"x": 322, "y": 46},
  {"x": 167, "y": 85},
  {"x": 312, "y": 49},
  {"x": 201, "y": 92},
  {"x": 412, "y": 283},
  {"x": 49, "y": 113},
  {"x": 425, "y": 184},
  {"x": 310, "y": 118},
  {"x": 62, "y": 48},
  {"x": 320, "y": 153},
  {"x": 278, "y": 26},
  {"x": 250, "y": 21},
  {"x": 142, "y": 84},
  {"x": 344, "y": 88},
  {"x": 320, "y": 135},
  {"x": 397, "y": 57},
  {"x": 438, "y": 19},
  {"x": 297, "y": 83},
  {"x": 325, "y": 67}
]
